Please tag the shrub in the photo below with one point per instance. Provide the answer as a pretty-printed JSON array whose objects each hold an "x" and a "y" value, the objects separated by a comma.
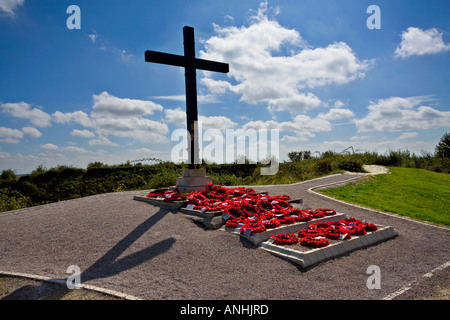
[
  {"x": 12, "y": 200},
  {"x": 351, "y": 165}
]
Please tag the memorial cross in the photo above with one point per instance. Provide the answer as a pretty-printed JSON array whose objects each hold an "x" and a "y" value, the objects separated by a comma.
[{"x": 190, "y": 64}]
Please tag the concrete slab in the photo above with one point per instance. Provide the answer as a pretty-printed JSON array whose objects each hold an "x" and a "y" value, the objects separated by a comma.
[{"x": 336, "y": 248}]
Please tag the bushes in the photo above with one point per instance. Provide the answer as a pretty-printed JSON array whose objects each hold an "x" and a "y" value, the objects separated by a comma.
[
  {"x": 352, "y": 165},
  {"x": 65, "y": 182},
  {"x": 12, "y": 200}
]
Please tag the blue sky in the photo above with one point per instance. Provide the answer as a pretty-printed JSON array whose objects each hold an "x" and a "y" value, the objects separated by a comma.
[{"x": 311, "y": 69}]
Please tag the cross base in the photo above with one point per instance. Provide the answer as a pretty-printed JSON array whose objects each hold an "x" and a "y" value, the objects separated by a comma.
[{"x": 193, "y": 180}]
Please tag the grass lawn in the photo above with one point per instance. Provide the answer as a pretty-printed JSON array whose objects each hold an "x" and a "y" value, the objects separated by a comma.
[{"x": 416, "y": 193}]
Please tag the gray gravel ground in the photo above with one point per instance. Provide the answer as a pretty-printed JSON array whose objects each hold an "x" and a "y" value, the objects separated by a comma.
[{"x": 152, "y": 253}]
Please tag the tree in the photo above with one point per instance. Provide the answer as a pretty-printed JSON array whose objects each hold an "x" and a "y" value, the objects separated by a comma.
[
  {"x": 8, "y": 174},
  {"x": 296, "y": 156},
  {"x": 442, "y": 149}
]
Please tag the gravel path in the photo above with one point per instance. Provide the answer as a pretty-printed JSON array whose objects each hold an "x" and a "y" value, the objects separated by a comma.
[{"x": 152, "y": 253}]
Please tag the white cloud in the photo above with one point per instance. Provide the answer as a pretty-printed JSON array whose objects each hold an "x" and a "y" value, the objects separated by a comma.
[
  {"x": 9, "y": 135},
  {"x": 216, "y": 122},
  {"x": 207, "y": 98},
  {"x": 416, "y": 41},
  {"x": 93, "y": 37},
  {"x": 4, "y": 155},
  {"x": 178, "y": 117},
  {"x": 31, "y": 132},
  {"x": 106, "y": 104},
  {"x": 82, "y": 133},
  {"x": 49, "y": 146},
  {"x": 175, "y": 116},
  {"x": 23, "y": 110},
  {"x": 102, "y": 141},
  {"x": 337, "y": 114},
  {"x": 304, "y": 127},
  {"x": 74, "y": 149},
  {"x": 10, "y": 6},
  {"x": 79, "y": 117},
  {"x": 265, "y": 74},
  {"x": 120, "y": 117},
  {"x": 402, "y": 114},
  {"x": 408, "y": 135}
]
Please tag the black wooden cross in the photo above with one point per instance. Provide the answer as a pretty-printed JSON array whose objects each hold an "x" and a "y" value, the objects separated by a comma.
[{"x": 190, "y": 64}]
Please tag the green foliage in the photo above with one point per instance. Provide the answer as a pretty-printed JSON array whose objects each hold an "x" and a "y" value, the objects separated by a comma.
[
  {"x": 443, "y": 147},
  {"x": 43, "y": 185},
  {"x": 8, "y": 174},
  {"x": 12, "y": 200},
  {"x": 296, "y": 156}
]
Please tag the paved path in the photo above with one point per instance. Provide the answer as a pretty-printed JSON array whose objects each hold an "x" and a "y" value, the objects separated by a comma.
[{"x": 142, "y": 250}]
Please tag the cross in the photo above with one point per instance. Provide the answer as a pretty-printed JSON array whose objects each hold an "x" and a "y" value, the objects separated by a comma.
[{"x": 190, "y": 64}]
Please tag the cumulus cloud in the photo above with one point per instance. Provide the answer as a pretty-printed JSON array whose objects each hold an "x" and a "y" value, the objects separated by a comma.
[
  {"x": 106, "y": 104},
  {"x": 416, "y": 41},
  {"x": 9, "y": 7},
  {"x": 273, "y": 65},
  {"x": 303, "y": 127},
  {"x": 338, "y": 114},
  {"x": 402, "y": 114},
  {"x": 82, "y": 133},
  {"x": 178, "y": 117},
  {"x": 23, "y": 110},
  {"x": 9, "y": 135},
  {"x": 102, "y": 141},
  {"x": 118, "y": 117},
  {"x": 49, "y": 146},
  {"x": 31, "y": 132}
]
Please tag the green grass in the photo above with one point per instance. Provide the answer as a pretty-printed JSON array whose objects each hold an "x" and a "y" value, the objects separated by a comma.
[{"x": 419, "y": 194}]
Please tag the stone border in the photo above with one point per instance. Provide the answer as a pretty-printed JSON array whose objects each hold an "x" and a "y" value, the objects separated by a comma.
[
  {"x": 312, "y": 256},
  {"x": 257, "y": 238},
  {"x": 109, "y": 292}
]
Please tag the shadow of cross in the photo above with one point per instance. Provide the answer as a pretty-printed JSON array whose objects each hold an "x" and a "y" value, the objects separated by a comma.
[{"x": 106, "y": 266}]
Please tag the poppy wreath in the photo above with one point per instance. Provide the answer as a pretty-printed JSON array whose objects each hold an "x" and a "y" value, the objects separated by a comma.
[
  {"x": 334, "y": 234},
  {"x": 322, "y": 225},
  {"x": 231, "y": 223},
  {"x": 327, "y": 212},
  {"x": 167, "y": 195},
  {"x": 309, "y": 233},
  {"x": 255, "y": 227},
  {"x": 317, "y": 242},
  {"x": 284, "y": 239},
  {"x": 156, "y": 194},
  {"x": 353, "y": 230},
  {"x": 370, "y": 227},
  {"x": 272, "y": 223},
  {"x": 287, "y": 220},
  {"x": 196, "y": 198},
  {"x": 265, "y": 205},
  {"x": 302, "y": 218},
  {"x": 317, "y": 214},
  {"x": 281, "y": 204},
  {"x": 330, "y": 230}
]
